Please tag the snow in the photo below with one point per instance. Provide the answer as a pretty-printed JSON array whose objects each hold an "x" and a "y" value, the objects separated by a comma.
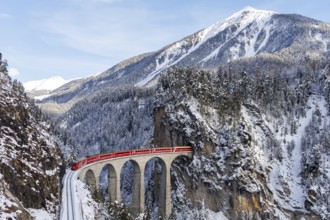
[
  {"x": 284, "y": 175},
  {"x": 85, "y": 199},
  {"x": 41, "y": 97},
  {"x": 242, "y": 18},
  {"x": 52, "y": 172},
  {"x": 242, "y": 21},
  {"x": 212, "y": 54},
  {"x": 211, "y": 122},
  {"x": 45, "y": 84},
  {"x": 5, "y": 203},
  {"x": 267, "y": 28},
  {"x": 292, "y": 168},
  {"x": 76, "y": 125},
  {"x": 219, "y": 216},
  {"x": 177, "y": 51},
  {"x": 250, "y": 46},
  {"x": 40, "y": 214},
  {"x": 83, "y": 204},
  {"x": 319, "y": 37}
]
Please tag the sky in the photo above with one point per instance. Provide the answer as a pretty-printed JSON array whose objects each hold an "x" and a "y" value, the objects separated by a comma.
[{"x": 79, "y": 38}]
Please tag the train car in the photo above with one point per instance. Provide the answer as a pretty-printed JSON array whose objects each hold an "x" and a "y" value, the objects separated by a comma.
[
  {"x": 162, "y": 150},
  {"x": 123, "y": 153},
  {"x": 141, "y": 151},
  {"x": 107, "y": 156},
  {"x": 93, "y": 159},
  {"x": 99, "y": 157},
  {"x": 182, "y": 149}
]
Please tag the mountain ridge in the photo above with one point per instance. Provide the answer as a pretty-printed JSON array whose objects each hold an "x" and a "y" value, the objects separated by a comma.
[{"x": 247, "y": 33}]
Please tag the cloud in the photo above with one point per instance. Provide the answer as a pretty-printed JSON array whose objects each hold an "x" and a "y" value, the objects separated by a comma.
[
  {"x": 119, "y": 31},
  {"x": 111, "y": 32},
  {"x": 5, "y": 15},
  {"x": 13, "y": 72}
]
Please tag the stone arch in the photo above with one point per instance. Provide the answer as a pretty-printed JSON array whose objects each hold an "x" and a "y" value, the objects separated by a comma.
[
  {"x": 91, "y": 180},
  {"x": 136, "y": 185},
  {"x": 109, "y": 175},
  {"x": 156, "y": 171}
]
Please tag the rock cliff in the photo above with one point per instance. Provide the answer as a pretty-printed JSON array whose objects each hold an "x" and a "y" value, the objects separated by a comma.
[
  {"x": 249, "y": 155},
  {"x": 30, "y": 158}
]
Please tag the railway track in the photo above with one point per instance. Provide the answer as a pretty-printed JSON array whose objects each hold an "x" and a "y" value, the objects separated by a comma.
[{"x": 68, "y": 212}]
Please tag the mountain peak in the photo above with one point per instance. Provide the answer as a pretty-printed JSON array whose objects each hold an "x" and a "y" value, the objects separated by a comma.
[
  {"x": 249, "y": 8},
  {"x": 241, "y": 19},
  {"x": 45, "y": 84},
  {"x": 249, "y": 11}
]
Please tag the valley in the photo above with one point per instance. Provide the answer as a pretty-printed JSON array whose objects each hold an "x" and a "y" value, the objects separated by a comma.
[{"x": 249, "y": 94}]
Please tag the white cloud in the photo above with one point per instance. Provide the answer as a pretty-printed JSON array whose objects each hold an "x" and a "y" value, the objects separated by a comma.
[
  {"x": 111, "y": 33},
  {"x": 5, "y": 15},
  {"x": 105, "y": 33},
  {"x": 13, "y": 72}
]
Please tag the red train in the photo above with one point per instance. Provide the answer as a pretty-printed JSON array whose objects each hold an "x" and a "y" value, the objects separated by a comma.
[{"x": 78, "y": 164}]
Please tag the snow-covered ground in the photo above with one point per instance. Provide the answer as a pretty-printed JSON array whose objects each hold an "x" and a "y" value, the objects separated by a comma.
[
  {"x": 219, "y": 216},
  {"x": 4, "y": 203},
  {"x": 286, "y": 175},
  {"x": 76, "y": 205},
  {"x": 40, "y": 214}
]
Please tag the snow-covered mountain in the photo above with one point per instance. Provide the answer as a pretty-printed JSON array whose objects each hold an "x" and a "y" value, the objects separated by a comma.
[
  {"x": 41, "y": 88},
  {"x": 250, "y": 28},
  {"x": 247, "y": 33},
  {"x": 45, "y": 84}
]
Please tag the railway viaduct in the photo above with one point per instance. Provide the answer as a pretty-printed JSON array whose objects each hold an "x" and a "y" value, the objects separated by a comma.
[{"x": 91, "y": 175}]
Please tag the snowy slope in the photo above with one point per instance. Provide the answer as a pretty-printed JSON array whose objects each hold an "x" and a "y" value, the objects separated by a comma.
[
  {"x": 45, "y": 84},
  {"x": 261, "y": 153},
  {"x": 76, "y": 205},
  {"x": 30, "y": 158},
  {"x": 285, "y": 176},
  {"x": 241, "y": 20}
]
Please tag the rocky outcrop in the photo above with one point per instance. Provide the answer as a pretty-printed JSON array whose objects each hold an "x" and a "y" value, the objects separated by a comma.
[
  {"x": 248, "y": 161},
  {"x": 30, "y": 163},
  {"x": 222, "y": 177}
]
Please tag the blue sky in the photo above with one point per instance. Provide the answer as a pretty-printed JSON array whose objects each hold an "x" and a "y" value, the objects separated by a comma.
[{"x": 78, "y": 38}]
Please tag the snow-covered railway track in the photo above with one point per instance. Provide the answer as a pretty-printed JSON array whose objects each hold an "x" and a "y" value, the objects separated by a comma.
[
  {"x": 68, "y": 212},
  {"x": 70, "y": 202}
]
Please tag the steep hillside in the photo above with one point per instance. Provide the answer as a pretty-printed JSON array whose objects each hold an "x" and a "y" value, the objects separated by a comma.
[
  {"x": 120, "y": 118},
  {"x": 247, "y": 33},
  {"x": 30, "y": 158},
  {"x": 261, "y": 144}
]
